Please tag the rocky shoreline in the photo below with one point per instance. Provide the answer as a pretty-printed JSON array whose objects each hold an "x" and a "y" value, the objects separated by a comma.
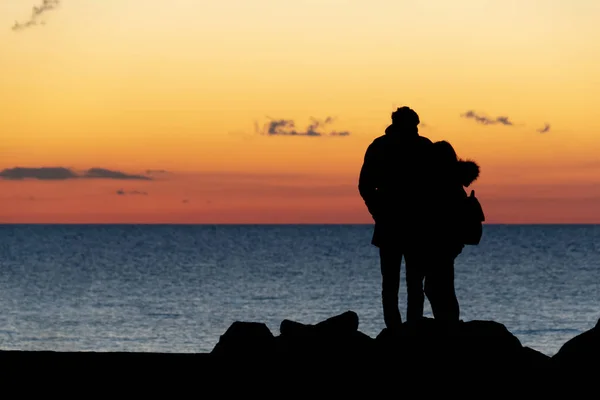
[
  {"x": 481, "y": 342},
  {"x": 335, "y": 347}
]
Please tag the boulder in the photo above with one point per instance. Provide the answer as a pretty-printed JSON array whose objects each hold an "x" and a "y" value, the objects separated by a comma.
[
  {"x": 580, "y": 352},
  {"x": 488, "y": 341},
  {"x": 336, "y": 344},
  {"x": 433, "y": 343},
  {"x": 413, "y": 341},
  {"x": 340, "y": 325},
  {"x": 533, "y": 359},
  {"x": 245, "y": 339},
  {"x": 334, "y": 337}
]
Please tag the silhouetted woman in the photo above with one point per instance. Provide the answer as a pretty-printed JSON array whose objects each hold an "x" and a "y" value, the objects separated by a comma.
[{"x": 448, "y": 177}]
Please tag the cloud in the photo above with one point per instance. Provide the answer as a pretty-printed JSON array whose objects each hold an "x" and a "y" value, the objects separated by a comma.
[
  {"x": 36, "y": 13},
  {"x": 545, "y": 129},
  {"x": 157, "y": 171},
  {"x": 109, "y": 174},
  {"x": 342, "y": 133},
  {"x": 23, "y": 25},
  {"x": 43, "y": 173},
  {"x": 503, "y": 120},
  {"x": 122, "y": 192},
  {"x": 287, "y": 127},
  {"x": 484, "y": 120},
  {"x": 61, "y": 173}
]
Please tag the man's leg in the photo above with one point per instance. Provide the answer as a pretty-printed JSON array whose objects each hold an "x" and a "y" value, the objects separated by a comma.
[
  {"x": 415, "y": 273},
  {"x": 439, "y": 288},
  {"x": 390, "y": 259}
]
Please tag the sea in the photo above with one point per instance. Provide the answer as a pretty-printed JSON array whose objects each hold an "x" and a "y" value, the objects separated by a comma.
[{"x": 177, "y": 288}]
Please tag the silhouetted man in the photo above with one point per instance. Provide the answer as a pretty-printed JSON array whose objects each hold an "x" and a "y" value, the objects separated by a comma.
[{"x": 393, "y": 183}]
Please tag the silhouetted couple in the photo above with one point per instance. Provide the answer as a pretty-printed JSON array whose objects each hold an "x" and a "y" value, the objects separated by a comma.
[{"x": 413, "y": 189}]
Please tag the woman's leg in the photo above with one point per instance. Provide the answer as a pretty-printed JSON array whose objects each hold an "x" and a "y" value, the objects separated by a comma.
[{"x": 439, "y": 288}]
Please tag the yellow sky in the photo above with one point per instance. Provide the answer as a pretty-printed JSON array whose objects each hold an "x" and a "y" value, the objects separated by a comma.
[{"x": 133, "y": 85}]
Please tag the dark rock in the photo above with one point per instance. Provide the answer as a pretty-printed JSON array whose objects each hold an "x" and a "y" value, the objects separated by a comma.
[
  {"x": 336, "y": 344},
  {"x": 364, "y": 343},
  {"x": 580, "y": 352},
  {"x": 489, "y": 331},
  {"x": 294, "y": 329},
  {"x": 343, "y": 324},
  {"x": 334, "y": 337},
  {"x": 409, "y": 338},
  {"x": 414, "y": 346},
  {"x": 534, "y": 359},
  {"x": 335, "y": 353},
  {"x": 488, "y": 340},
  {"x": 245, "y": 339},
  {"x": 430, "y": 342},
  {"x": 388, "y": 338}
]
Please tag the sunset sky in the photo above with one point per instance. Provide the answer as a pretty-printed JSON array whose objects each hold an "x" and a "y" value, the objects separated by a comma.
[{"x": 178, "y": 96}]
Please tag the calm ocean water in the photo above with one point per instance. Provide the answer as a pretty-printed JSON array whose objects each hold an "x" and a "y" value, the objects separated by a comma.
[{"x": 176, "y": 288}]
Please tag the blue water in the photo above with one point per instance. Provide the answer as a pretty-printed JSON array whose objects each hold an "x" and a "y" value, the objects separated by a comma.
[{"x": 176, "y": 288}]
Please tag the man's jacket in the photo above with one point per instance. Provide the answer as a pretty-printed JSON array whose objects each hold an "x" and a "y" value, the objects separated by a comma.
[{"x": 393, "y": 184}]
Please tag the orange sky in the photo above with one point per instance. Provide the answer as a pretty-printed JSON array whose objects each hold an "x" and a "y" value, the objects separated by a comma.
[{"x": 132, "y": 85}]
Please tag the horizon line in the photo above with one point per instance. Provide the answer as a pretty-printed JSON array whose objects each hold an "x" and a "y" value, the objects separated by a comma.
[{"x": 272, "y": 224}]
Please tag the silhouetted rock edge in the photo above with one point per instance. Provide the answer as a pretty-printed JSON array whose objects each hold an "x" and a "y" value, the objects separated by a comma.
[{"x": 481, "y": 343}]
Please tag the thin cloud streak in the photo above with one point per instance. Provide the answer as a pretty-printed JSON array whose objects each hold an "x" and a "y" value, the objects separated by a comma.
[
  {"x": 545, "y": 129},
  {"x": 501, "y": 120},
  {"x": 109, "y": 174},
  {"x": 287, "y": 127},
  {"x": 62, "y": 173},
  {"x": 122, "y": 192},
  {"x": 36, "y": 13},
  {"x": 485, "y": 120}
]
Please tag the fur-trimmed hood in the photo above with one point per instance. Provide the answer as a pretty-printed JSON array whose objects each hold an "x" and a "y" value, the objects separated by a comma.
[
  {"x": 468, "y": 172},
  {"x": 447, "y": 162}
]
